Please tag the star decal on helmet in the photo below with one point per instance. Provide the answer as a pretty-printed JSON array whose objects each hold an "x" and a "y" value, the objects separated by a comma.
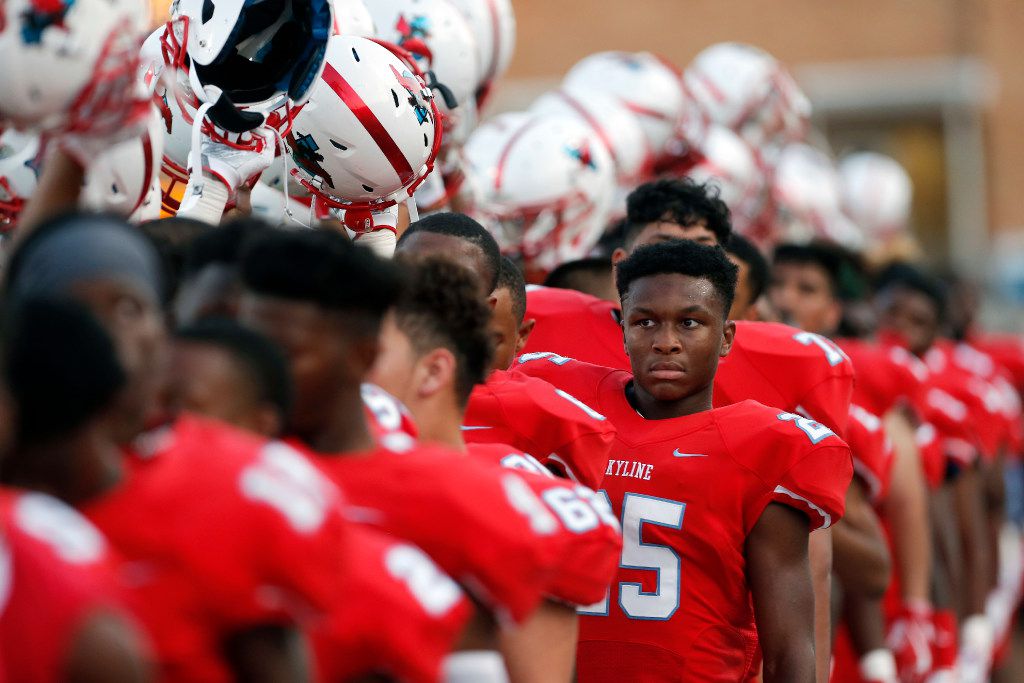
[
  {"x": 35, "y": 164},
  {"x": 419, "y": 27},
  {"x": 304, "y": 151},
  {"x": 416, "y": 91},
  {"x": 582, "y": 154},
  {"x": 41, "y": 15}
]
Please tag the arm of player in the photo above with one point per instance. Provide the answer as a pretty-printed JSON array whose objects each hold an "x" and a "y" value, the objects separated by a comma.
[
  {"x": 107, "y": 650},
  {"x": 57, "y": 192},
  {"x": 543, "y": 649},
  {"x": 268, "y": 654},
  {"x": 779, "y": 576},
  {"x": 860, "y": 556},
  {"x": 968, "y": 495},
  {"x": 819, "y": 549}
]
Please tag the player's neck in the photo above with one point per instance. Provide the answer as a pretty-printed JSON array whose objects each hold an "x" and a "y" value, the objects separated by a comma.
[
  {"x": 75, "y": 470},
  {"x": 345, "y": 430},
  {"x": 440, "y": 421},
  {"x": 651, "y": 408}
]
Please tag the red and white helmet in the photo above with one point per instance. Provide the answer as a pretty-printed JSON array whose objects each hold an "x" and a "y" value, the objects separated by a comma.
[
  {"x": 352, "y": 18},
  {"x": 493, "y": 23},
  {"x": 68, "y": 65},
  {"x": 727, "y": 162},
  {"x": 612, "y": 123},
  {"x": 877, "y": 193},
  {"x": 441, "y": 41},
  {"x": 806, "y": 192},
  {"x": 748, "y": 91},
  {"x": 369, "y": 133},
  {"x": 648, "y": 86},
  {"x": 126, "y": 178},
  {"x": 544, "y": 186},
  {"x": 20, "y": 158}
]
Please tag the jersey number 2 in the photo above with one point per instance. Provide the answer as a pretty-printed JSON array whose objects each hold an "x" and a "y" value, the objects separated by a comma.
[{"x": 636, "y": 603}]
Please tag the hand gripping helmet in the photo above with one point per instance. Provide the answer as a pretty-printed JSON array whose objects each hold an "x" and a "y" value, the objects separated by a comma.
[
  {"x": 369, "y": 133},
  {"x": 727, "y": 162},
  {"x": 248, "y": 58},
  {"x": 493, "y": 23},
  {"x": 749, "y": 92},
  {"x": 612, "y": 123},
  {"x": 807, "y": 199},
  {"x": 647, "y": 85},
  {"x": 544, "y": 186},
  {"x": 68, "y": 64},
  {"x": 877, "y": 193},
  {"x": 125, "y": 179},
  {"x": 20, "y": 158},
  {"x": 441, "y": 41},
  {"x": 352, "y": 18}
]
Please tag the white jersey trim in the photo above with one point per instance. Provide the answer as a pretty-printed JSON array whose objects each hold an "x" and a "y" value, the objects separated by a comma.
[{"x": 824, "y": 515}]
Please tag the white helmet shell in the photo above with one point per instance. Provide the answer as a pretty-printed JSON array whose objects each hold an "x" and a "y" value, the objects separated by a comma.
[
  {"x": 745, "y": 89},
  {"x": 369, "y": 131},
  {"x": 439, "y": 38},
  {"x": 68, "y": 64},
  {"x": 877, "y": 193},
  {"x": 728, "y": 163},
  {"x": 647, "y": 85},
  {"x": 19, "y": 174},
  {"x": 614, "y": 125},
  {"x": 545, "y": 186},
  {"x": 352, "y": 18},
  {"x": 493, "y": 23},
  {"x": 806, "y": 192}
]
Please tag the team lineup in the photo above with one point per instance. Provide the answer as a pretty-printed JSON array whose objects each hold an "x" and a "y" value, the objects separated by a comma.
[{"x": 315, "y": 366}]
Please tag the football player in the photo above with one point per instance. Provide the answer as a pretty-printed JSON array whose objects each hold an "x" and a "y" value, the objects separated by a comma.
[{"x": 716, "y": 503}]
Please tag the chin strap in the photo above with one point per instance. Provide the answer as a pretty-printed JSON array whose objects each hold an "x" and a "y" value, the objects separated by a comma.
[{"x": 286, "y": 154}]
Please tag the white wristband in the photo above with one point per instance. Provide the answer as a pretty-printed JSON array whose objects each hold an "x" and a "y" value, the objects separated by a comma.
[
  {"x": 205, "y": 199},
  {"x": 879, "y": 665},
  {"x": 474, "y": 666}
]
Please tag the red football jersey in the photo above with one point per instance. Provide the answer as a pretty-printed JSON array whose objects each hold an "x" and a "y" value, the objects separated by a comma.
[
  {"x": 588, "y": 540},
  {"x": 689, "y": 490},
  {"x": 553, "y": 426},
  {"x": 783, "y": 367},
  {"x": 55, "y": 569},
  {"x": 210, "y": 528},
  {"x": 575, "y": 325},
  {"x": 885, "y": 376},
  {"x": 400, "y": 615},
  {"x": 391, "y": 424},
  {"x": 445, "y": 503},
  {"x": 871, "y": 450}
]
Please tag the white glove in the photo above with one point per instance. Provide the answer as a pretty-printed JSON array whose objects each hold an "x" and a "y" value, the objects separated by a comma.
[
  {"x": 474, "y": 666},
  {"x": 223, "y": 169},
  {"x": 976, "y": 642},
  {"x": 377, "y": 230},
  {"x": 878, "y": 666}
]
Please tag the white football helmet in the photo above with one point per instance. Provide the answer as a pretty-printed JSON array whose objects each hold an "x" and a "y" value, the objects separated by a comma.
[
  {"x": 20, "y": 159},
  {"x": 544, "y": 186},
  {"x": 493, "y": 23},
  {"x": 650, "y": 87},
  {"x": 748, "y": 91},
  {"x": 806, "y": 193},
  {"x": 126, "y": 178},
  {"x": 68, "y": 65},
  {"x": 877, "y": 193},
  {"x": 614, "y": 125},
  {"x": 352, "y": 18},
  {"x": 726, "y": 161},
  {"x": 442, "y": 42},
  {"x": 369, "y": 133}
]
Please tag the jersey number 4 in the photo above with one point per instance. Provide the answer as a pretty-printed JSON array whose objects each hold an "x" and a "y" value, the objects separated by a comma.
[{"x": 636, "y": 603}]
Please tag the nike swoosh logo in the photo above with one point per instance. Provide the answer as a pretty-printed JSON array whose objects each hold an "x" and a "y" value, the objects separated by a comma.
[
  {"x": 688, "y": 455},
  {"x": 470, "y": 428}
]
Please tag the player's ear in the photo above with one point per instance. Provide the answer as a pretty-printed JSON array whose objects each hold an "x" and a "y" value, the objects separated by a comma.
[
  {"x": 525, "y": 329},
  {"x": 437, "y": 372},
  {"x": 617, "y": 256},
  {"x": 728, "y": 335},
  {"x": 492, "y": 301}
]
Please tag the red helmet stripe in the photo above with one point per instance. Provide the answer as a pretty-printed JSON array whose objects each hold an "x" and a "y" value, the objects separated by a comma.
[
  {"x": 370, "y": 122},
  {"x": 602, "y": 134},
  {"x": 492, "y": 9},
  {"x": 499, "y": 174}
]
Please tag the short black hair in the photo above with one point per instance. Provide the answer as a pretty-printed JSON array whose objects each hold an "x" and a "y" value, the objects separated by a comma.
[
  {"x": 677, "y": 200},
  {"x": 223, "y": 246},
  {"x": 899, "y": 275},
  {"x": 261, "y": 362},
  {"x": 441, "y": 306},
  {"x": 465, "y": 228},
  {"x": 577, "y": 274},
  {"x": 61, "y": 367},
  {"x": 172, "y": 238},
  {"x": 682, "y": 257},
  {"x": 845, "y": 274},
  {"x": 324, "y": 268},
  {"x": 757, "y": 265},
  {"x": 511, "y": 278}
]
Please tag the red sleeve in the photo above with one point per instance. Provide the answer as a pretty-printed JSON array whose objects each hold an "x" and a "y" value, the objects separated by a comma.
[
  {"x": 816, "y": 485},
  {"x": 871, "y": 450},
  {"x": 828, "y": 402}
]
